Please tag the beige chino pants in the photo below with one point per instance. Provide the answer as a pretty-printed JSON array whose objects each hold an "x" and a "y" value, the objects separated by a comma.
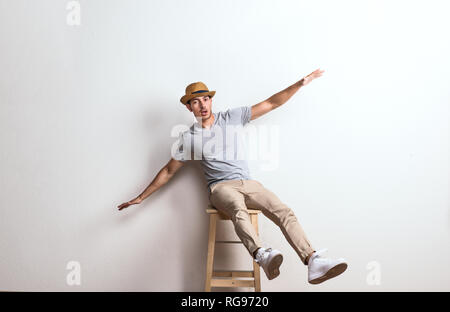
[{"x": 234, "y": 197}]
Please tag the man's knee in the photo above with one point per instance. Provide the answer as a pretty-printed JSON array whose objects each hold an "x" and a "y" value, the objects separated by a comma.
[
  {"x": 240, "y": 214},
  {"x": 283, "y": 214}
]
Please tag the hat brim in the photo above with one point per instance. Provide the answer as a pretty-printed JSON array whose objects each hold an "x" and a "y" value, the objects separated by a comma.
[{"x": 185, "y": 98}]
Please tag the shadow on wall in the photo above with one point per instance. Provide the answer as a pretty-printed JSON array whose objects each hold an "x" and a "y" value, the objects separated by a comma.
[
  {"x": 185, "y": 223},
  {"x": 192, "y": 224}
]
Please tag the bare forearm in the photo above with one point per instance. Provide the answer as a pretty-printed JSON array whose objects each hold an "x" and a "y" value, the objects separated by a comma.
[
  {"x": 160, "y": 179},
  {"x": 283, "y": 96}
]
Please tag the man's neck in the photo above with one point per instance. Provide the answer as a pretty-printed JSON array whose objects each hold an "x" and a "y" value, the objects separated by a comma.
[{"x": 208, "y": 122}]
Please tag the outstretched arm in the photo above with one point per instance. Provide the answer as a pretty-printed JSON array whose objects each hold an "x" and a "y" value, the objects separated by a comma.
[
  {"x": 163, "y": 176},
  {"x": 281, "y": 97}
]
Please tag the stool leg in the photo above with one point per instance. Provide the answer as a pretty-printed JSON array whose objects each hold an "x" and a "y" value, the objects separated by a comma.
[
  {"x": 254, "y": 219},
  {"x": 211, "y": 244}
]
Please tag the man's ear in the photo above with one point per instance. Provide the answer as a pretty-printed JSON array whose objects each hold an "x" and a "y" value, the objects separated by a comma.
[{"x": 188, "y": 106}]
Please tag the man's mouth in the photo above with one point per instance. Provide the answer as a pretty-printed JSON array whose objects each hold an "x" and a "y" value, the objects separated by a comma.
[{"x": 204, "y": 112}]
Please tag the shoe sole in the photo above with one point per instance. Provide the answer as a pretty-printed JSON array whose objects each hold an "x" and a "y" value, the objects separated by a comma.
[
  {"x": 333, "y": 272},
  {"x": 274, "y": 266}
]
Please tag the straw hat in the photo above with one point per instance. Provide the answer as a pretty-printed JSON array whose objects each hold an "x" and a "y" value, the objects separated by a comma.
[{"x": 196, "y": 89}]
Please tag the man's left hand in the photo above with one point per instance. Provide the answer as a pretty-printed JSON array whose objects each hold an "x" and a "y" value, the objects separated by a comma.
[{"x": 315, "y": 74}]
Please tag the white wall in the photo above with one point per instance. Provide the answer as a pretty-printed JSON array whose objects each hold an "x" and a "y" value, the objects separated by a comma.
[{"x": 85, "y": 121}]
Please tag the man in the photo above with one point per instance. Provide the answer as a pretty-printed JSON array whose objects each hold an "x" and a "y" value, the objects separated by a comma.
[{"x": 231, "y": 188}]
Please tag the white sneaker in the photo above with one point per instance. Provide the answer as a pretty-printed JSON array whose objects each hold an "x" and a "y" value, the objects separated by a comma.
[
  {"x": 270, "y": 260},
  {"x": 320, "y": 269}
]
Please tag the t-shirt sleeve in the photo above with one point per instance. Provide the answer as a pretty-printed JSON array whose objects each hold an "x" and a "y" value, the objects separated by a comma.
[
  {"x": 178, "y": 151},
  {"x": 239, "y": 115}
]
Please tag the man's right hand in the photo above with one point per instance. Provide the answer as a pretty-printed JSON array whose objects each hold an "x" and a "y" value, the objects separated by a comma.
[
  {"x": 135, "y": 201},
  {"x": 164, "y": 175}
]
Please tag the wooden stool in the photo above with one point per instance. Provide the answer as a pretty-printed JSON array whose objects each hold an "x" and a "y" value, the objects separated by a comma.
[{"x": 228, "y": 278}]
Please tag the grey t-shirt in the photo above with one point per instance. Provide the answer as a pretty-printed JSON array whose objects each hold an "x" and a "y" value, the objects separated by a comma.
[{"x": 220, "y": 148}]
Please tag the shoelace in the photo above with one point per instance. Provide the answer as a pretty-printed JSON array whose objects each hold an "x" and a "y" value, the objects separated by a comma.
[
  {"x": 318, "y": 253},
  {"x": 259, "y": 256}
]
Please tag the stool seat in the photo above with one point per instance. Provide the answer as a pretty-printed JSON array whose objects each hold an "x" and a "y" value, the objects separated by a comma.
[
  {"x": 212, "y": 210},
  {"x": 223, "y": 278}
]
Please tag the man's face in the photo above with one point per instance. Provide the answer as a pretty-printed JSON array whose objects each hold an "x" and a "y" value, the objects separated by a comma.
[{"x": 201, "y": 107}]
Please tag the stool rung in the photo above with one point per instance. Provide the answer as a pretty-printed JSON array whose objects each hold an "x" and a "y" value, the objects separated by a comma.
[
  {"x": 232, "y": 283},
  {"x": 239, "y": 273},
  {"x": 228, "y": 242}
]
